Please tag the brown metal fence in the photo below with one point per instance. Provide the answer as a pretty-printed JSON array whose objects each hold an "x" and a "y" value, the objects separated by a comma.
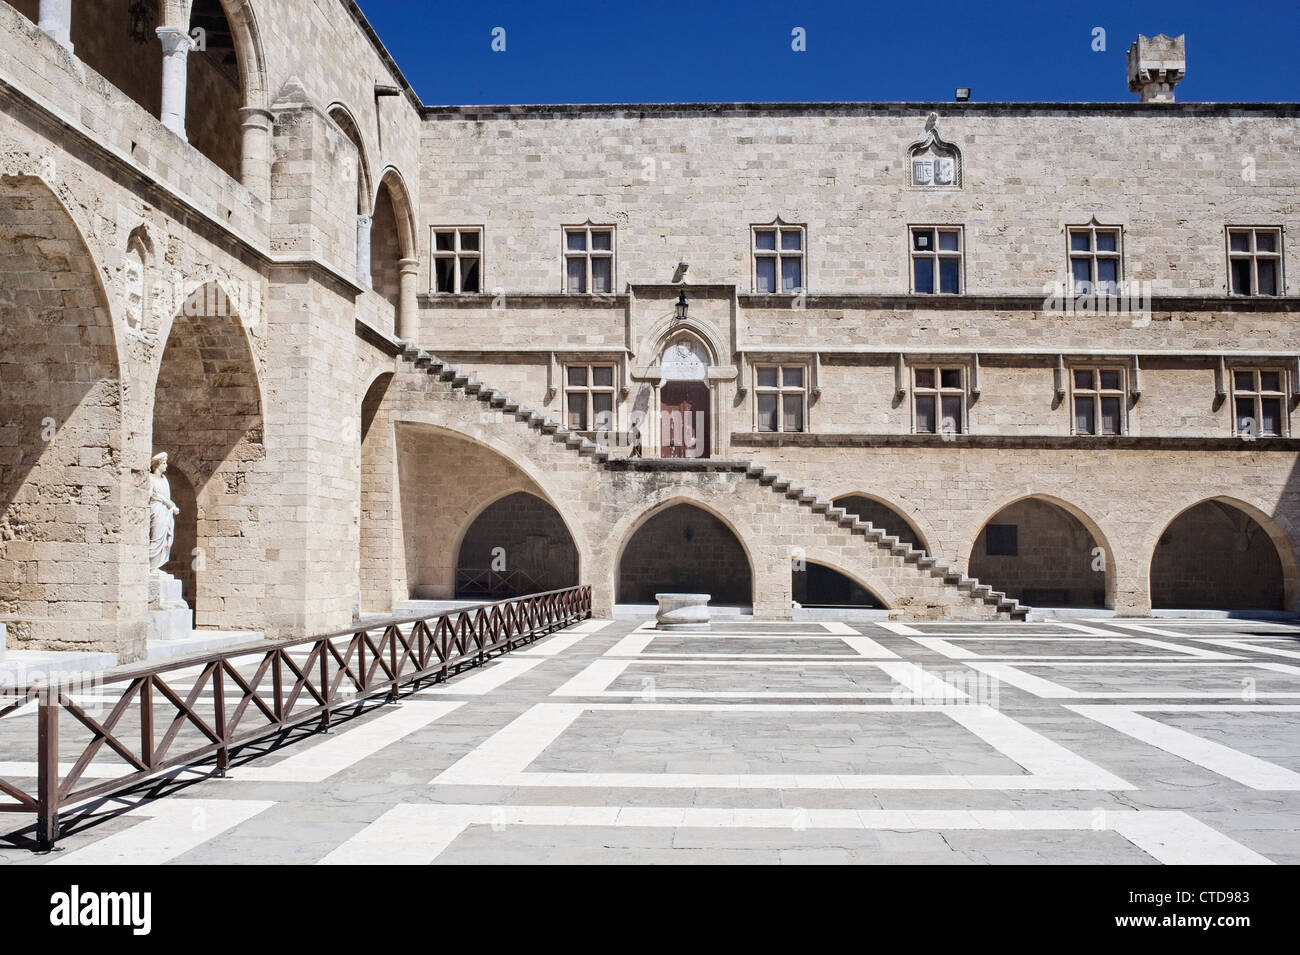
[{"x": 295, "y": 681}]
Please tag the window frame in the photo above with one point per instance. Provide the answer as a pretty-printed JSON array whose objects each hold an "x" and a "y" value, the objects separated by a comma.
[
  {"x": 1092, "y": 255},
  {"x": 589, "y": 390},
  {"x": 1097, "y": 393},
  {"x": 1254, "y": 255},
  {"x": 587, "y": 253},
  {"x": 939, "y": 391},
  {"x": 781, "y": 390},
  {"x": 456, "y": 254},
  {"x": 778, "y": 226},
  {"x": 1258, "y": 395},
  {"x": 935, "y": 255}
]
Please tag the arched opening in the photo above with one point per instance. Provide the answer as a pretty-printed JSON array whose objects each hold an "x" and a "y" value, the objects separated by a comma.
[
  {"x": 1216, "y": 556},
  {"x": 207, "y": 416},
  {"x": 360, "y": 167},
  {"x": 685, "y": 399},
  {"x": 378, "y": 497},
  {"x": 62, "y": 454},
  {"x": 816, "y": 585},
  {"x": 684, "y": 548},
  {"x": 185, "y": 545},
  {"x": 392, "y": 238},
  {"x": 517, "y": 545},
  {"x": 214, "y": 88},
  {"x": 1042, "y": 555},
  {"x": 880, "y": 514}
]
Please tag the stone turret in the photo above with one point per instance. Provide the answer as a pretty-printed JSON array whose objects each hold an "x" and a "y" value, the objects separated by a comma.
[{"x": 1155, "y": 65}]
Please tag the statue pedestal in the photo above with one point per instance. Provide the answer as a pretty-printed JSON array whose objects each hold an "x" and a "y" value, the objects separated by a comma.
[{"x": 170, "y": 618}]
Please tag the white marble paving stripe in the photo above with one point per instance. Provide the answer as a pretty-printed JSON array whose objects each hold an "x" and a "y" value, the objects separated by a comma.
[
  {"x": 921, "y": 684},
  {"x": 1186, "y": 649},
  {"x": 503, "y": 758},
  {"x": 350, "y": 744},
  {"x": 949, "y": 650},
  {"x": 1082, "y": 628},
  {"x": 1145, "y": 628},
  {"x": 557, "y": 643},
  {"x": 838, "y": 627},
  {"x": 487, "y": 679},
  {"x": 597, "y": 677},
  {"x": 1235, "y": 765},
  {"x": 171, "y": 827},
  {"x": 632, "y": 645},
  {"x": 418, "y": 834},
  {"x": 867, "y": 647},
  {"x": 1012, "y": 676},
  {"x": 1253, "y": 647},
  {"x": 900, "y": 628}
]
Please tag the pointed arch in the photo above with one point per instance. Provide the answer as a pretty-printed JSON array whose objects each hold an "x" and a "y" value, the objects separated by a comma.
[
  {"x": 1058, "y": 555},
  {"x": 344, "y": 119},
  {"x": 1223, "y": 553},
  {"x": 514, "y": 545},
  {"x": 903, "y": 524},
  {"x": 821, "y": 584},
  {"x": 683, "y": 544}
]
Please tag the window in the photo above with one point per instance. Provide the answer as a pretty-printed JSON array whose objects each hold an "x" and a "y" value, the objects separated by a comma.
[
  {"x": 589, "y": 259},
  {"x": 1257, "y": 401},
  {"x": 457, "y": 260},
  {"x": 1255, "y": 261},
  {"x": 1098, "y": 401},
  {"x": 937, "y": 259},
  {"x": 1095, "y": 259},
  {"x": 1001, "y": 540},
  {"x": 589, "y": 398},
  {"x": 938, "y": 400},
  {"x": 778, "y": 253},
  {"x": 781, "y": 397}
]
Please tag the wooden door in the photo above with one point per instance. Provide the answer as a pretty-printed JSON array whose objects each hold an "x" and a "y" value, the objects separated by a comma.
[{"x": 684, "y": 420}]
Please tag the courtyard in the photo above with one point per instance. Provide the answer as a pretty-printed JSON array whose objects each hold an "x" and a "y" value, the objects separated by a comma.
[{"x": 1125, "y": 741}]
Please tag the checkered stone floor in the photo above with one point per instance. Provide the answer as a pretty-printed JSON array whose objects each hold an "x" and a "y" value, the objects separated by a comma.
[{"x": 1167, "y": 741}]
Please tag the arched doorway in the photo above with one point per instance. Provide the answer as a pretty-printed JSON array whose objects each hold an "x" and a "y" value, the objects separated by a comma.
[
  {"x": 207, "y": 416},
  {"x": 1042, "y": 555},
  {"x": 1216, "y": 556},
  {"x": 684, "y": 548},
  {"x": 685, "y": 400},
  {"x": 64, "y": 486},
  {"x": 880, "y": 514},
  {"x": 816, "y": 585},
  {"x": 516, "y": 545}
]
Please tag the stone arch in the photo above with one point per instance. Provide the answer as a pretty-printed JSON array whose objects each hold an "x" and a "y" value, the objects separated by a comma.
[
  {"x": 64, "y": 493},
  {"x": 820, "y": 584},
  {"x": 667, "y": 330},
  {"x": 446, "y": 478},
  {"x": 529, "y": 538},
  {"x": 392, "y": 236},
  {"x": 705, "y": 549},
  {"x": 207, "y": 415},
  {"x": 346, "y": 122},
  {"x": 1222, "y": 553},
  {"x": 137, "y": 277},
  {"x": 880, "y": 512},
  {"x": 1056, "y": 560}
]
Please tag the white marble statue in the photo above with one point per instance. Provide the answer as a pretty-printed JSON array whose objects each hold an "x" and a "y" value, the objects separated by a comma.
[{"x": 162, "y": 513}]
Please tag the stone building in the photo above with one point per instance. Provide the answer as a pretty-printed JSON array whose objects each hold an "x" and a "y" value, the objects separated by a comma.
[{"x": 952, "y": 360}]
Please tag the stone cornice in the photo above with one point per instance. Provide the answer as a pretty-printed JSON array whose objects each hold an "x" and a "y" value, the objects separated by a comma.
[{"x": 1033, "y": 303}]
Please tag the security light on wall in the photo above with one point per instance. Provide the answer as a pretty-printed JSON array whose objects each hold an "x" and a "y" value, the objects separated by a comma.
[{"x": 963, "y": 94}]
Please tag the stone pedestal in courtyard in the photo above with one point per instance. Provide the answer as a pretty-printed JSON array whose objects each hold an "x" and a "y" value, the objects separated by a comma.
[
  {"x": 170, "y": 618},
  {"x": 682, "y": 612}
]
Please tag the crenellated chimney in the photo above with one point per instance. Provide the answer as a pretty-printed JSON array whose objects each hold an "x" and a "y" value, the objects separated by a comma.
[{"x": 1155, "y": 65}]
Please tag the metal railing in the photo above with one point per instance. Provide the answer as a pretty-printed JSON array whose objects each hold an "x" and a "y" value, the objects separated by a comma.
[{"x": 295, "y": 681}]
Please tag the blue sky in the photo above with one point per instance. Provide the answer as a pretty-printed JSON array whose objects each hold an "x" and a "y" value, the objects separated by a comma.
[{"x": 581, "y": 51}]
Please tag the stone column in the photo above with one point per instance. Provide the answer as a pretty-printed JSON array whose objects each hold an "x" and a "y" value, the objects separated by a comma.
[
  {"x": 176, "y": 45},
  {"x": 56, "y": 21},
  {"x": 255, "y": 168},
  {"x": 407, "y": 320},
  {"x": 363, "y": 251}
]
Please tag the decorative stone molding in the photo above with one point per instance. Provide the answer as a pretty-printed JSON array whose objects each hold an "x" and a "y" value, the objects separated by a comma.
[{"x": 932, "y": 161}]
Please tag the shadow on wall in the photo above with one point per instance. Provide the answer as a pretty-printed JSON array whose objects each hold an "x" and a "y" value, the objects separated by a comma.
[
  {"x": 1041, "y": 555},
  {"x": 1215, "y": 556},
  {"x": 517, "y": 545},
  {"x": 685, "y": 549}
]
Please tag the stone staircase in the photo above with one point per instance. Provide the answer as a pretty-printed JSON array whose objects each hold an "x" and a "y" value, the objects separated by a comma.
[{"x": 1005, "y": 606}]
